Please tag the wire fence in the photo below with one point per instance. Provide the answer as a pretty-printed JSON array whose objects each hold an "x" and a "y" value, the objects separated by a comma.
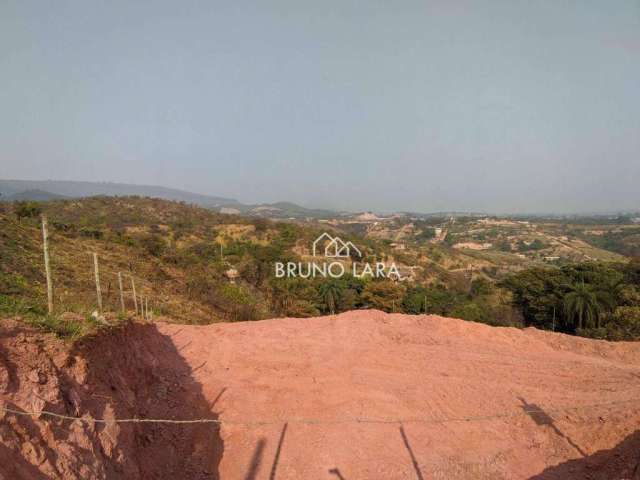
[
  {"x": 71, "y": 252},
  {"x": 524, "y": 411}
]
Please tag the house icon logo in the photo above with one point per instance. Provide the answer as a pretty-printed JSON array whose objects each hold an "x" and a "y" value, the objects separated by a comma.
[
  {"x": 333, "y": 247},
  {"x": 336, "y": 249}
]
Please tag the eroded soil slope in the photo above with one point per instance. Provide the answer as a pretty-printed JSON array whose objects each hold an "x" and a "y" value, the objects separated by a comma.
[
  {"x": 362, "y": 395},
  {"x": 130, "y": 372}
]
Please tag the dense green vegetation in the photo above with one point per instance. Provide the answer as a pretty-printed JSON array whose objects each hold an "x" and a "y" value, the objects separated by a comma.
[
  {"x": 625, "y": 241},
  {"x": 591, "y": 299}
]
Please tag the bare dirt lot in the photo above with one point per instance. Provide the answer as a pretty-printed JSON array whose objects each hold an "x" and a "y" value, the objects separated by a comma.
[{"x": 362, "y": 395}]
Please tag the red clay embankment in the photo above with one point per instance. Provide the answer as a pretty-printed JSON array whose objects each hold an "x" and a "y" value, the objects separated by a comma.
[{"x": 362, "y": 395}]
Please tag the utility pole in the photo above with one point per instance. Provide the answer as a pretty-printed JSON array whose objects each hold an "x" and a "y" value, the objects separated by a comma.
[
  {"x": 121, "y": 292},
  {"x": 97, "y": 275},
  {"x": 47, "y": 267}
]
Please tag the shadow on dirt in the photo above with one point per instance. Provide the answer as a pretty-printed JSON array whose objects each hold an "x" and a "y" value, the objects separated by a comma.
[
  {"x": 542, "y": 418},
  {"x": 276, "y": 459},
  {"x": 620, "y": 462},
  {"x": 414, "y": 461},
  {"x": 129, "y": 372},
  {"x": 14, "y": 466},
  {"x": 258, "y": 453},
  {"x": 256, "y": 460},
  {"x": 138, "y": 373},
  {"x": 337, "y": 473}
]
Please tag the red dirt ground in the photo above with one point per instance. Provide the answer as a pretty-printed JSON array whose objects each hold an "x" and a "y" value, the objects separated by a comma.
[
  {"x": 458, "y": 391},
  {"x": 361, "y": 395}
]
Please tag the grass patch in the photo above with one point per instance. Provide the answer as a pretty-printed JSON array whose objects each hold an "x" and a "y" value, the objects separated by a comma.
[
  {"x": 71, "y": 329},
  {"x": 35, "y": 315},
  {"x": 12, "y": 306}
]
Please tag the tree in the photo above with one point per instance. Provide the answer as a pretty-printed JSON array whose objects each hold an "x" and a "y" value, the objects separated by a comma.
[
  {"x": 632, "y": 271},
  {"x": 624, "y": 324},
  {"x": 581, "y": 303},
  {"x": 283, "y": 294},
  {"x": 630, "y": 296},
  {"x": 481, "y": 286},
  {"x": 330, "y": 292},
  {"x": 385, "y": 295},
  {"x": 539, "y": 292},
  {"x": 27, "y": 209},
  {"x": 153, "y": 244},
  {"x": 415, "y": 300},
  {"x": 427, "y": 234},
  {"x": 472, "y": 311},
  {"x": 434, "y": 300}
]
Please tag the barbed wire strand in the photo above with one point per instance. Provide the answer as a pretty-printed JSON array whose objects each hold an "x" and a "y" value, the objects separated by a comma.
[{"x": 317, "y": 421}]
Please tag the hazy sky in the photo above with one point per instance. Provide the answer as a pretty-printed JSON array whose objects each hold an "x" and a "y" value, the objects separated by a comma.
[{"x": 495, "y": 105}]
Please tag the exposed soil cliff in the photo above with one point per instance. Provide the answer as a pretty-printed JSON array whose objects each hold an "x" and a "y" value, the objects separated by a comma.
[{"x": 130, "y": 372}]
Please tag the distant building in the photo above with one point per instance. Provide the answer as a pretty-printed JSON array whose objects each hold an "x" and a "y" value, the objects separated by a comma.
[
  {"x": 229, "y": 211},
  {"x": 367, "y": 217},
  {"x": 473, "y": 246}
]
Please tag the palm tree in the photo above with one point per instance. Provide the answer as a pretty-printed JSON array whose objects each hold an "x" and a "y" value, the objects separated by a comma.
[
  {"x": 582, "y": 303},
  {"x": 330, "y": 293},
  {"x": 609, "y": 292}
]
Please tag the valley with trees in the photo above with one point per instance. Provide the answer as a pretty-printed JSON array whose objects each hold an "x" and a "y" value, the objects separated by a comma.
[{"x": 202, "y": 266}]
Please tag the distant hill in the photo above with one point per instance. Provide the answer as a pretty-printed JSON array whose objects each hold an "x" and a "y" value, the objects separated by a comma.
[
  {"x": 24, "y": 189},
  {"x": 38, "y": 195},
  {"x": 43, "y": 190},
  {"x": 286, "y": 210}
]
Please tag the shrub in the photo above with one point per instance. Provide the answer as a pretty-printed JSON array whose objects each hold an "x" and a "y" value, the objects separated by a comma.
[
  {"x": 91, "y": 232},
  {"x": 153, "y": 244},
  {"x": 27, "y": 209}
]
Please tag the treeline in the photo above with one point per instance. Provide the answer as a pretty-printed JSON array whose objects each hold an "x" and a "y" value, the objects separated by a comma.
[{"x": 590, "y": 299}]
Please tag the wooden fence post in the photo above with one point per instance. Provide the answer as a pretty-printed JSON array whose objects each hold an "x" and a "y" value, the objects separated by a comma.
[
  {"x": 121, "y": 292},
  {"x": 97, "y": 275},
  {"x": 135, "y": 298},
  {"x": 47, "y": 267}
]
